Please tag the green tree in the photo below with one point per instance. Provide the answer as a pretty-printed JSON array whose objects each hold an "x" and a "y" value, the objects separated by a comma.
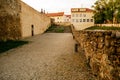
[
  {"x": 117, "y": 11},
  {"x": 107, "y": 11}
]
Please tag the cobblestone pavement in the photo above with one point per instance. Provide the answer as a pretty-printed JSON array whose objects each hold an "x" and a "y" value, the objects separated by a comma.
[{"x": 49, "y": 56}]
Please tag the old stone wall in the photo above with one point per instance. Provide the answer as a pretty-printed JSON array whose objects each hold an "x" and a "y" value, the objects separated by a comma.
[
  {"x": 102, "y": 51},
  {"x": 30, "y": 17},
  {"x": 10, "y": 27},
  {"x": 18, "y": 20}
]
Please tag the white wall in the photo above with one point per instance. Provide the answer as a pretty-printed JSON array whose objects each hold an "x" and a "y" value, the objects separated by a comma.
[
  {"x": 58, "y": 18},
  {"x": 78, "y": 20},
  {"x": 67, "y": 19}
]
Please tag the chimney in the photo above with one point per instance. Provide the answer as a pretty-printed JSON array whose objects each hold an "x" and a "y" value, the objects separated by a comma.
[{"x": 41, "y": 10}]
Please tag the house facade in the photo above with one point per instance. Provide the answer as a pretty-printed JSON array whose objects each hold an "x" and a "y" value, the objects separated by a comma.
[
  {"x": 67, "y": 18},
  {"x": 82, "y": 18},
  {"x": 57, "y": 17}
]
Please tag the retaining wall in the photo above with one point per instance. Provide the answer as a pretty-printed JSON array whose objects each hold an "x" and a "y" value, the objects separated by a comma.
[{"x": 102, "y": 51}]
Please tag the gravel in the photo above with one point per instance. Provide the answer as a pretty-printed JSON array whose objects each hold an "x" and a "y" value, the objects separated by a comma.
[{"x": 49, "y": 56}]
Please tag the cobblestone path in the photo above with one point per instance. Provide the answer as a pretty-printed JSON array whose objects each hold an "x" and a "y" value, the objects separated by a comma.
[{"x": 47, "y": 57}]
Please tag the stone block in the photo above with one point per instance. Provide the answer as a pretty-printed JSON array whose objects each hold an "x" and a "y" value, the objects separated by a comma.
[
  {"x": 113, "y": 35},
  {"x": 107, "y": 37},
  {"x": 100, "y": 45},
  {"x": 118, "y": 34},
  {"x": 99, "y": 34},
  {"x": 100, "y": 39},
  {"x": 95, "y": 67},
  {"x": 118, "y": 50},
  {"x": 112, "y": 42},
  {"x": 107, "y": 43}
]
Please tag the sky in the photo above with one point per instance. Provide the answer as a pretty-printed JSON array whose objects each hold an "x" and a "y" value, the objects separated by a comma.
[{"x": 51, "y": 6}]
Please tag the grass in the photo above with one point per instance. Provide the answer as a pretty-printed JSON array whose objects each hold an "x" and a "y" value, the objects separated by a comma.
[
  {"x": 57, "y": 29},
  {"x": 5, "y": 46},
  {"x": 54, "y": 28},
  {"x": 102, "y": 28}
]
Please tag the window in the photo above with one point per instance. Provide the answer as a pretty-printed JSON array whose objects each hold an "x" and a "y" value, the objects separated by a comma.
[
  {"x": 84, "y": 15},
  {"x": 72, "y": 20},
  {"x": 91, "y": 20},
  {"x": 80, "y": 20},
  {"x": 76, "y": 15},
  {"x": 83, "y": 20},
  {"x": 87, "y": 20},
  {"x": 80, "y": 15},
  {"x": 72, "y": 15},
  {"x": 67, "y": 19},
  {"x": 76, "y": 20}
]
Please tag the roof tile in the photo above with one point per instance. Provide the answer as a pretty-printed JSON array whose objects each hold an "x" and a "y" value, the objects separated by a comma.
[{"x": 55, "y": 14}]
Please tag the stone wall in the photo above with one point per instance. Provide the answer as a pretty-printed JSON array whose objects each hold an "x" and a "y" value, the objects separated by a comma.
[
  {"x": 10, "y": 27},
  {"x": 18, "y": 20},
  {"x": 102, "y": 51},
  {"x": 30, "y": 17}
]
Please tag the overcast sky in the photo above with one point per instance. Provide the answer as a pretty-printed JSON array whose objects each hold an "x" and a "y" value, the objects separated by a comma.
[{"x": 59, "y": 5}]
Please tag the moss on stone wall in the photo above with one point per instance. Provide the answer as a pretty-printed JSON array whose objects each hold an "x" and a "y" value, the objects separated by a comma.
[{"x": 10, "y": 27}]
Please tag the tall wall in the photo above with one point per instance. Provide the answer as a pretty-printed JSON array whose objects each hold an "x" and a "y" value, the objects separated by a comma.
[
  {"x": 30, "y": 17},
  {"x": 102, "y": 51},
  {"x": 18, "y": 20},
  {"x": 10, "y": 27}
]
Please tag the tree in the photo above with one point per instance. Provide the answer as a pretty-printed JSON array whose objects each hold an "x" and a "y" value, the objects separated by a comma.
[
  {"x": 117, "y": 11},
  {"x": 107, "y": 11}
]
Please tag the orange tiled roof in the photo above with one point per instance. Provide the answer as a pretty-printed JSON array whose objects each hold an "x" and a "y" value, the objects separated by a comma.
[
  {"x": 89, "y": 10},
  {"x": 81, "y": 10},
  {"x": 55, "y": 14},
  {"x": 68, "y": 16}
]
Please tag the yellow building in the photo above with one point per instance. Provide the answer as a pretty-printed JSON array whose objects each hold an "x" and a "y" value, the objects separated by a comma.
[
  {"x": 82, "y": 18},
  {"x": 67, "y": 18},
  {"x": 57, "y": 17}
]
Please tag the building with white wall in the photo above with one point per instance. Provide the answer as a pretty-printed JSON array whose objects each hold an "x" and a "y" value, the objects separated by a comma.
[
  {"x": 67, "y": 18},
  {"x": 57, "y": 17},
  {"x": 82, "y": 18}
]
